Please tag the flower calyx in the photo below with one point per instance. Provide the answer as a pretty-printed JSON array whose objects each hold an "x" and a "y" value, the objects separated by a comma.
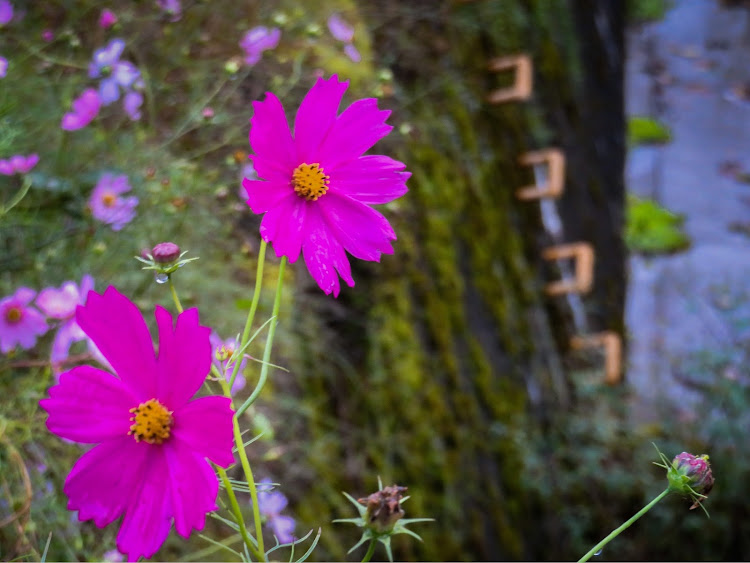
[
  {"x": 165, "y": 258},
  {"x": 689, "y": 475}
]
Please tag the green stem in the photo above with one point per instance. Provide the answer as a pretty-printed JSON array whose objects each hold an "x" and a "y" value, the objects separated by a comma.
[
  {"x": 624, "y": 526},
  {"x": 250, "y": 483},
  {"x": 269, "y": 341},
  {"x": 253, "y": 308},
  {"x": 370, "y": 551},
  {"x": 238, "y": 514},
  {"x": 18, "y": 197},
  {"x": 174, "y": 294}
]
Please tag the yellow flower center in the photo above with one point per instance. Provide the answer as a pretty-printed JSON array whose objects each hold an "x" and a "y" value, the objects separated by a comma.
[
  {"x": 14, "y": 314},
  {"x": 152, "y": 422},
  {"x": 224, "y": 352},
  {"x": 109, "y": 199},
  {"x": 310, "y": 181}
]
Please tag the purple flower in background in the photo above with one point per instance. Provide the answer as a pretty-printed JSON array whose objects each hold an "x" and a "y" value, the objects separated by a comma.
[
  {"x": 172, "y": 8},
  {"x": 340, "y": 30},
  {"x": 85, "y": 109},
  {"x": 221, "y": 356},
  {"x": 270, "y": 505},
  {"x": 60, "y": 304},
  {"x": 132, "y": 104},
  {"x": 3, "y": 67},
  {"x": 351, "y": 52},
  {"x": 107, "y": 19},
  {"x": 19, "y": 323},
  {"x": 18, "y": 164},
  {"x": 257, "y": 40},
  {"x": 114, "y": 73},
  {"x": 6, "y": 11},
  {"x": 106, "y": 202}
]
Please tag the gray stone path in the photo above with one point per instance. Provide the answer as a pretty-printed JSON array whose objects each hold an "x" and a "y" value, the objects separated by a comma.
[{"x": 683, "y": 70}]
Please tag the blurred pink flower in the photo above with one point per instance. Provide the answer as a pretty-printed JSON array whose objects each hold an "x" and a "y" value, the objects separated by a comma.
[
  {"x": 150, "y": 465},
  {"x": 221, "y": 356},
  {"x": 48, "y": 36},
  {"x": 257, "y": 40},
  {"x": 107, "y": 19},
  {"x": 107, "y": 204},
  {"x": 270, "y": 505},
  {"x": 85, "y": 109},
  {"x": 173, "y": 8},
  {"x": 317, "y": 187},
  {"x": 340, "y": 30},
  {"x": 6, "y": 11},
  {"x": 18, "y": 164},
  {"x": 60, "y": 304},
  {"x": 132, "y": 103},
  {"x": 3, "y": 67},
  {"x": 351, "y": 52},
  {"x": 20, "y": 324}
]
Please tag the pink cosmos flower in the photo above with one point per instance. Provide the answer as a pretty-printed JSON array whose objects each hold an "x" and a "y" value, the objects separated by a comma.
[
  {"x": 317, "y": 187},
  {"x": 222, "y": 351},
  {"x": 270, "y": 505},
  {"x": 6, "y": 11},
  {"x": 60, "y": 304},
  {"x": 85, "y": 109},
  {"x": 3, "y": 67},
  {"x": 18, "y": 164},
  {"x": 107, "y": 204},
  {"x": 150, "y": 463},
  {"x": 107, "y": 19},
  {"x": 19, "y": 322},
  {"x": 257, "y": 40}
]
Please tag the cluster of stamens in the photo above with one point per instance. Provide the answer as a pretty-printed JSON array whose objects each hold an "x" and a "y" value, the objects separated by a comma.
[
  {"x": 310, "y": 181},
  {"x": 13, "y": 315},
  {"x": 109, "y": 199},
  {"x": 152, "y": 422}
]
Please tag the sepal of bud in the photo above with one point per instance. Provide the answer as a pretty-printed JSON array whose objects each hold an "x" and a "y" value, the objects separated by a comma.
[
  {"x": 689, "y": 475},
  {"x": 164, "y": 258}
]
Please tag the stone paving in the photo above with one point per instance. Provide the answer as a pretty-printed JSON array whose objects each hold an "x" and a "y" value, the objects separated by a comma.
[{"x": 689, "y": 71}]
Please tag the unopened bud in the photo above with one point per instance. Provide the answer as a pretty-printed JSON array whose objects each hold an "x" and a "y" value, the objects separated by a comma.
[
  {"x": 384, "y": 508},
  {"x": 691, "y": 475},
  {"x": 165, "y": 252}
]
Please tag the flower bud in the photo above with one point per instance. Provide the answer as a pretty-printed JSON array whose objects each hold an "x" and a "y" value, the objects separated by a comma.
[
  {"x": 691, "y": 475},
  {"x": 384, "y": 508},
  {"x": 165, "y": 252}
]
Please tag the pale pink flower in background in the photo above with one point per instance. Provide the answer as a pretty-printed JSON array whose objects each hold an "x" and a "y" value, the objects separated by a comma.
[
  {"x": 18, "y": 164},
  {"x": 340, "y": 30},
  {"x": 107, "y": 19},
  {"x": 107, "y": 204},
  {"x": 20, "y": 324},
  {"x": 316, "y": 187},
  {"x": 3, "y": 67},
  {"x": 257, "y": 40},
  {"x": 6, "y": 12},
  {"x": 150, "y": 465},
  {"x": 85, "y": 108},
  {"x": 221, "y": 356},
  {"x": 351, "y": 52}
]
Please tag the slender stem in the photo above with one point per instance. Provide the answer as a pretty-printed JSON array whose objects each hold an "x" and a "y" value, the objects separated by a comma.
[
  {"x": 253, "y": 308},
  {"x": 624, "y": 526},
  {"x": 174, "y": 294},
  {"x": 370, "y": 551},
  {"x": 250, "y": 483},
  {"x": 16, "y": 198},
  {"x": 238, "y": 514},
  {"x": 269, "y": 341}
]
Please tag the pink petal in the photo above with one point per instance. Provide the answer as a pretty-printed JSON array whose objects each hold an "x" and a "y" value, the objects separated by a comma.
[
  {"x": 68, "y": 333},
  {"x": 24, "y": 295},
  {"x": 184, "y": 357},
  {"x": 89, "y": 405},
  {"x": 271, "y": 140},
  {"x": 355, "y": 131},
  {"x": 193, "y": 485},
  {"x": 324, "y": 255},
  {"x": 362, "y": 231},
  {"x": 205, "y": 426},
  {"x": 118, "y": 330},
  {"x": 148, "y": 517},
  {"x": 284, "y": 226},
  {"x": 316, "y": 116},
  {"x": 371, "y": 179},
  {"x": 262, "y": 195},
  {"x": 102, "y": 482}
]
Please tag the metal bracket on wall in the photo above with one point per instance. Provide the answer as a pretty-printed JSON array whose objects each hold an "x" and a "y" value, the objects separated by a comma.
[
  {"x": 522, "y": 83},
  {"x": 555, "y": 161},
  {"x": 612, "y": 344},
  {"x": 583, "y": 255}
]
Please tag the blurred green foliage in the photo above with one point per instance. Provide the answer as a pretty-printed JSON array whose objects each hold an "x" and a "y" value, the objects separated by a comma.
[
  {"x": 642, "y": 11},
  {"x": 647, "y": 131},
  {"x": 652, "y": 229}
]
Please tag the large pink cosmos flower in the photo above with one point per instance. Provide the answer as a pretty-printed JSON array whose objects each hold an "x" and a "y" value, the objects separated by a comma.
[
  {"x": 150, "y": 465},
  {"x": 317, "y": 186}
]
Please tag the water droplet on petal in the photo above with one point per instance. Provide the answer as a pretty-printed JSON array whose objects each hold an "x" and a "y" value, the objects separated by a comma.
[
  {"x": 598, "y": 552},
  {"x": 161, "y": 278}
]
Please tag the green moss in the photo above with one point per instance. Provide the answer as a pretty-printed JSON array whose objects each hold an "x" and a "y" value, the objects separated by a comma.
[
  {"x": 647, "y": 131},
  {"x": 652, "y": 229},
  {"x": 640, "y": 11}
]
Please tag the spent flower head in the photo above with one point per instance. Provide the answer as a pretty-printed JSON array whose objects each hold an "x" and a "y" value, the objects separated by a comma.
[{"x": 316, "y": 187}]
